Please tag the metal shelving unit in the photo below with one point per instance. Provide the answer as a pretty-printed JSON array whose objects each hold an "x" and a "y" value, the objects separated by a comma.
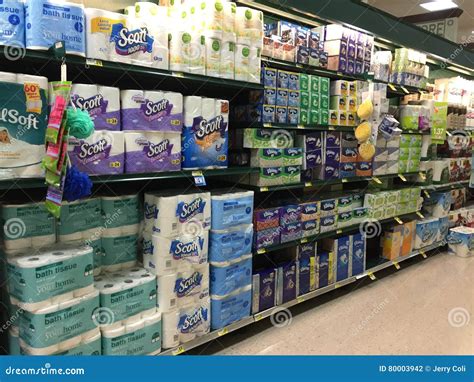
[
  {"x": 308, "y": 296},
  {"x": 260, "y": 125},
  {"x": 445, "y": 186}
]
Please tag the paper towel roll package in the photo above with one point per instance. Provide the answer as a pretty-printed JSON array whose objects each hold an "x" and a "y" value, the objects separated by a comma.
[
  {"x": 205, "y": 133},
  {"x": 120, "y": 211},
  {"x": 90, "y": 344},
  {"x": 229, "y": 276},
  {"x": 152, "y": 152},
  {"x": 27, "y": 225},
  {"x": 426, "y": 233},
  {"x": 170, "y": 253},
  {"x": 101, "y": 102},
  {"x": 120, "y": 250},
  {"x": 49, "y": 273},
  {"x": 461, "y": 241},
  {"x": 12, "y": 23},
  {"x": 443, "y": 228},
  {"x": 22, "y": 136},
  {"x": 102, "y": 153},
  {"x": 230, "y": 308},
  {"x": 48, "y": 21},
  {"x": 56, "y": 323},
  {"x": 127, "y": 294},
  {"x": 231, "y": 208},
  {"x": 138, "y": 338},
  {"x": 230, "y": 244}
]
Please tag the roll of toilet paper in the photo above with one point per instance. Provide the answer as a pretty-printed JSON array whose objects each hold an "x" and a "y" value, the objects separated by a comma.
[
  {"x": 133, "y": 117},
  {"x": 194, "y": 320},
  {"x": 130, "y": 11},
  {"x": 118, "y": 249},
  {"x": 192, "y": 109},
  {"x": 146, "y": 9},
  {"x": 173, "y": 122},
  {"x": 242, "y": 62},
  {"x": 120, "y": 211},
  {"x": 195, "y": 53},
  {"x": 231, "y": 243},
  {"x": 167, "y": 299},
  {"x": 42, "y": 82},
  {"x": 255, "y": 65},
  {"x": 228, "y": 23},
  {"x": 441, "y": 171},
  {"x": 162, "y": 111},
  {"x": 101, "y": 153},
  {"x": 177, "y": 44},
  {"x": 99, "y": 24},
  {"x": 68, "y": 268},
  {"x": 13, "y": 341},
  {"x": 52, "y": 20},
  {"x": 8, "y": 77},
  {"x": 108, "y": 115},
  {"x": 12, "y": 24},
  {"x": 231, "y": 208},
  {"x": 213, "y": 53},
  {"x": 170, "y": 329},
  {"x": 227, "y": 63},
  {"x": 79, "y": 216}
]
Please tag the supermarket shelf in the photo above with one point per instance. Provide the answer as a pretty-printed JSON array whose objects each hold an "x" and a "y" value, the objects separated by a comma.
[
  {"x": 43, "y": 57},
  {"x": 396, "y": 219},
  {"x": 445, "y": 186},
  {"x": 286, "y": 126},
  {"x": 329, "y": 182},
  {"x": 308, "y": 296},
  {"x": 8, "y": 184}
]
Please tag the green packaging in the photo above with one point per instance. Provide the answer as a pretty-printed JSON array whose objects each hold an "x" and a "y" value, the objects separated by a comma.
[
  {"x": 324, "y": 86},
  {"x": 304, "y": 99},
  {"x": 304, "y": 82},
  {"x": 304, "y": 116},
  {"x": 314, "y": 84},
  {"x": 314, "y": 117},
  {"x": 324, "y": 101},
  {"x": 314, "y": 100},
  {"x": 324, "y": 117}
]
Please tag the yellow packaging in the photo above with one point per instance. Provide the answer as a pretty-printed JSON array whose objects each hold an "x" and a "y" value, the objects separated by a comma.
[
  {"x": 392, "y": 243},
  {"x": 408, "y": 237}
]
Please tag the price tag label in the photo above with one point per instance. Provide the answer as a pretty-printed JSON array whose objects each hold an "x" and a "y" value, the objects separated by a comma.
[
  {"x": 371, "y": 276},
  {"x": 178, "y": 74},
  {"x": 223, "y": 332},
  {"x": 427, "y": 194},
  {"x": 398, "y": 220},
  {"x": 420, "y": 214},
  {"x": 344, "y": 180},
  {"x": 199, "y": 179},
  {"x": 337, "y": 286},
  {"x": 405, "y": 90},
  {"x": 402, "y": 177},
  {"x": 304, "y": 240},
  {"x": 422, "y": 253},
  {"x": 300, "y": 126},
  {"x": 258, "y": 317},
  {"x": 267, "y": 125},
  {"x": 396, "y": 265},
  {"x": 339, "y": 231},
  {"x": 422, "y": 175},
  {"x": 300, "y": 299},
  {"x": 263, "y": 189},
  {"x": 331, "y": 128},
  {"x": 376, "y": 180},
  {"x": 179, "y": 350},
  {"x": 391, "y": 86},
  {"x": 261, "y": 251},
  {"x": 308, "y": 184},
  {"x": 92, "y": 62}
]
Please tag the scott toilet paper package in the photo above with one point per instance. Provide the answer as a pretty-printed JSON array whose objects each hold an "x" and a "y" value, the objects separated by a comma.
[
  {"x": 102, "y": 153},
  {"x": 12, "y": 23},
  {"x": 48, "y": 21},
  {"x": 23, "y": 121},
  {"x": 205, "y": 134},
  {"x": 50, "y": 276}
]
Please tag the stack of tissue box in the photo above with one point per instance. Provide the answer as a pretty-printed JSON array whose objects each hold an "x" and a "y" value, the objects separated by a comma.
[
  {"x": 343, "y": 103},
  {"x": 175, "y": 245},
  {"x": 410, "y": 153},
  {"x": 398, "y": 241},
  {"x": 230, "y": 256},
  {"x": 387, "y": 204},
  {"x": 387, "y": 156},
  {"x": 409, "y": 68}
]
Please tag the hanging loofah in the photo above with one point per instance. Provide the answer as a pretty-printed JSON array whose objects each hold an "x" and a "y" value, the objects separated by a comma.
[
  {"x": 77, "y": 185},
  {"x": 366, "y": 151},
  {"x": 363, "y": 132},
  {"x": 365, "y": 109},
  {"x": 79, "y": 123}
]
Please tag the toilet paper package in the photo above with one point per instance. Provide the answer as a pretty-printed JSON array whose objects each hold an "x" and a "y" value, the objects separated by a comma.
[
  {"x": 263, "y": 290},
  {"x": 188, "y": 284},
  {"x": 461, "y": 241},
  {"x": 170, "y": 215},
  {"x": 46, "y": 327},
  {"x": 230, "y": 244},
  {"x": 443, "y": 229},
  {"x": 194, "y": 320},
  {"x": 120, "y": 249},
  {"x": 102, "y": 153},
  {"x": 205, "y": 134},
  {"x": 48, "y": 21},
  {"x": 426, "y": 233},
  {"x": 13, "y": 341},
  {"x": 120, "y": 211},
  {"x": 12, "y": 23},
  {"x": 229, "y": 276},
  {"x": 77, "y": 217},
  {"x": 26, "y": 225},
  {"x": 101, "y": 102},
  {"x": 439, "y": 204},
  {"x": 230, "y": 308},
  {"x": 88, "y": 343},
  {"x": 170, "y": 253},
  {"x": 35, "y": 279},
  {"x": 23, "y": 121},
  {"x": 231, "y": 208},
  {"x": 152, "y": 152},
  {"x": 142, "y": 337}
]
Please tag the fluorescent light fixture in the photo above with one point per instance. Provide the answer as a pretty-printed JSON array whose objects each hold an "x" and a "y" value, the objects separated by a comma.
[
  {"x": 438, "y": 5},
  {"x": 459, "y": 70}
]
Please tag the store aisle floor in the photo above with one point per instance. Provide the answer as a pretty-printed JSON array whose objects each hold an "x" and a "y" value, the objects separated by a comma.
[{"x": 426, "y": 308}]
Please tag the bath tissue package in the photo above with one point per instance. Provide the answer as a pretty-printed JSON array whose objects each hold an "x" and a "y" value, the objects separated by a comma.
[
  {"x": 188, "y": 284},
  {"x": 79, "y": 216},
  {"x": 52, "y": 274},
  {"x": 89, "y": 343},
  {"x": 230, "y": 308},
  {"x": 101, "y": 102},
  {"x": 205, "y": 133},
  {"x": 100, "y": 154},
  {"x": 14, "y": 341},
  {"x": 23, "y": 121},
  {"x": 231, "y": 208},
  {"x": 127, "y": 294},
  {"x": 46, "y": 327},
  {"x": 461, "y": 241},
  {"x": 26, "y": 225},
  {"x": 120, "y": 211},
  {"x": 230, "y": 244},
  {"x": 229, "y": 276},
  {"x": 152, "y": 110},
  {"x": 152, "y": 152},
  {"x": 48, "y": 21},
  {"x": 170, "y": 215},
  {"x": 12, "y": 23},
  {"x": 120, "y": 248},
  {"x": 142, "y": 337}
]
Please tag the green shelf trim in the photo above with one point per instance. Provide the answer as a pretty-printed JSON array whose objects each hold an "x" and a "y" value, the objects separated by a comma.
[
  {"x": 26, "y": 183},
  {"x": 260, "y": 125}
]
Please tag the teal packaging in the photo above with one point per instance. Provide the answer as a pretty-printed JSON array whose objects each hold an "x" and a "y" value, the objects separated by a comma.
[
  {"x": 80, "y": 216},
  {"x": 48, "y": 21},
  {"x": 49, "y": 273},
  {"x": 119, "y": 211},
  {"x": 13, "y": 341},
  {"x": 87, "y": 348},
  {"x": 21, "y": 221},
  {"x": 119, "y": 249},
  {"x": 46, "y": 327}
]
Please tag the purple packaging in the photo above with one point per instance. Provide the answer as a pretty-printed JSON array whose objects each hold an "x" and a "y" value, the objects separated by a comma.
[
  {"x": 282, "y": 79},
  {"x": 313, "y": 57},
  {"x": 291, "y": 232},
  {"x": 341, "y": 249},
  {"x": 322, "y": 265},
  {"x": 269, "y": 96},
  {"x": 366, "y": 66},
  {"x": 281, "y": 114},
  {"x": 304, "y": 276},
  {"x": 269, "y": 77},
  {"x": 302, "y": 55},
  {"x": 313, "y": 40},
  {"x": 294, "y": 98},
  {"x": 312, "y": 159},
  {"x": 281, "y": 97},
  {"x": 332, "y": 155},
  {"x": 348, "y": 154},
  {"x": 347, "y": 170},
  {"x": 367, "y": 53},
  {"x": 351, "y": 50},
  {"x": 307, "y": 250},
  {"x": 267, "y": 237},
  {"x": 148, "y": 152},
  {"x": 342, "y": 65},
  {"x": 323, "y": 59},
  {"x": 350, "y": 66},
  {"x": 357, "y": 254},
  {"x": 359, "y": 67},
  {"x": 266, "y": 218},
  {"x": 309, "y": 211},
  {"x": 302, "y": 34},
  {"x": 293, "y": 115},
  {"x": 100, "y": 154},
  {"x": 294, "y": 81},
  {"x": 359, "y": 52},
  {"x": 327, "y": 171},
  {"x": 310, "y": 142},
  {"x": 286, "y": 283},
  {"x": 290, "y": 214},
  {"x": 331, "y": 139},
  {"x": 263, "y": 290}
]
